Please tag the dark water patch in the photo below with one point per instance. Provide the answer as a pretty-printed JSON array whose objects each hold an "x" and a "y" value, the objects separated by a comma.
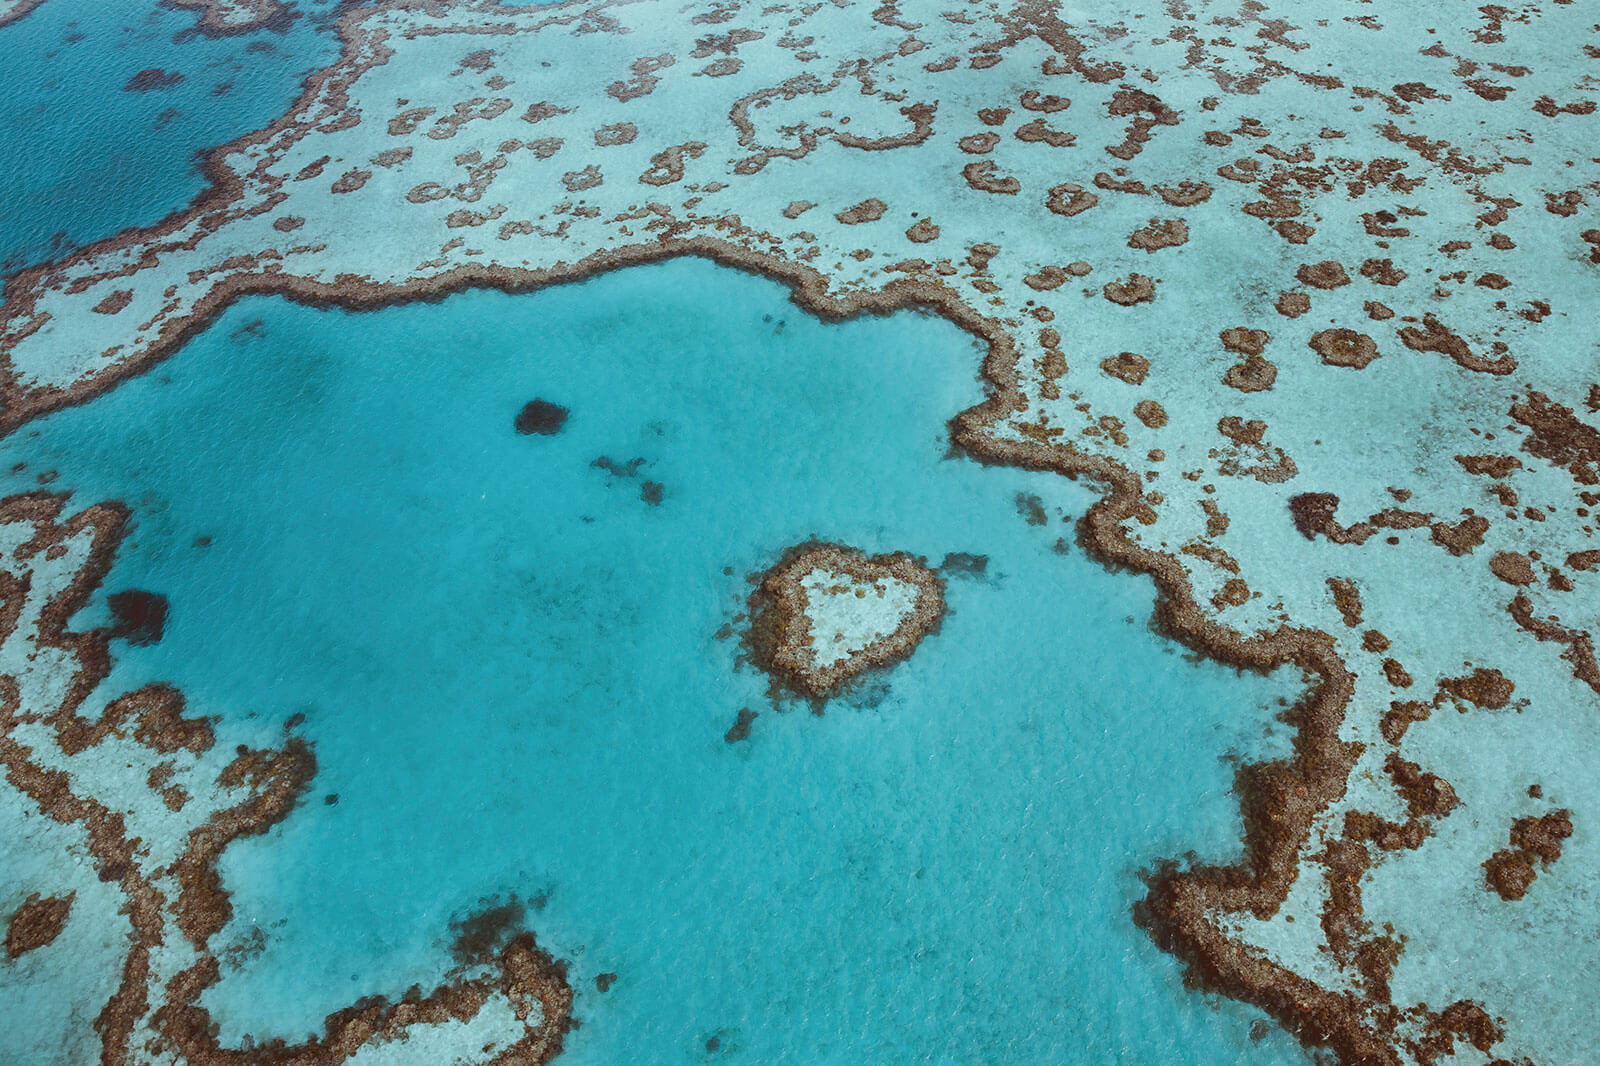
[
  {"x": 964, "y": 564},
  {"x": 481, "y": 935},
  {"x": 152, "y": 79},
  {"x": 249, "y": 329},
  {"x": 139, "y": 617},
  {"x": 1031, "y": 508},
  {"x": 541, "y": 417},
  {"x": 740, "y": 730},
  {"x": 616, "y": 469}
]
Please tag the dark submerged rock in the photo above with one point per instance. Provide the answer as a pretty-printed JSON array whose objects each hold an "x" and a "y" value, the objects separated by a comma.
[
  {"x": 152, "y": 79},
  {"x": 140, "y": 617},
  {"x": 481, "y": 935},
  {"x": 616, "y": 469},
  {"x": 740, "y": 730},
  {"x": 964, "y": 564},
  {"x": 541, "y": 417}
]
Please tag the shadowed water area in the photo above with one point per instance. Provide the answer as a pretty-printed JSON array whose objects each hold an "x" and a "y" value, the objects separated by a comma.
[{"x": 508, "y": 660}]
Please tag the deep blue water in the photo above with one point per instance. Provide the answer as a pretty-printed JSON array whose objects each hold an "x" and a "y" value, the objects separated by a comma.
[
  {"x": 510, "y": 669},
  {"x": 86, "y": 157}
]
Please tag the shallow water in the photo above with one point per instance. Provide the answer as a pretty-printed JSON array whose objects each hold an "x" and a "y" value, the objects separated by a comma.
[{"x": 510, "y": 668}]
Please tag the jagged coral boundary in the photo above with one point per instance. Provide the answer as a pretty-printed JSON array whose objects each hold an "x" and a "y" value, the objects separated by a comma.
[
  {"x": 1280, "y": 799},
  {"x": 276, "y": 779}
]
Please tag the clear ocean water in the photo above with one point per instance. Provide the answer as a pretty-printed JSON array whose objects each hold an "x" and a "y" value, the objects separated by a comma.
[
  {"x": 509, "y": 665},
  {"x": 509, "y": 661}
]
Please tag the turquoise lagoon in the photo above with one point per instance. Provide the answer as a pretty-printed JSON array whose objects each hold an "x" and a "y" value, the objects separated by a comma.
[{"x": 509, "y": 665}]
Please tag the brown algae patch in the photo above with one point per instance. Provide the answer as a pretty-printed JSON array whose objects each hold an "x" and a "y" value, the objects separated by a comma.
[
  {"x": 36, "y": 923},
  {"x": 1344, "y": 347},
  {"x": 1511, "y": 871}
]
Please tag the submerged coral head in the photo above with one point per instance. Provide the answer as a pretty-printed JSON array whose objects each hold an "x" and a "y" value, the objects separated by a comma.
[
  {"x": 140, "y": 616},
  {"x": 542, "y": 417},
  {"x": 827, "y": 613}
]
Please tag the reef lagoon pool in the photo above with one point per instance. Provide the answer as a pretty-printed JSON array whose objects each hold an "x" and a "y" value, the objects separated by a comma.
[{"x": 518, "y": 668}]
